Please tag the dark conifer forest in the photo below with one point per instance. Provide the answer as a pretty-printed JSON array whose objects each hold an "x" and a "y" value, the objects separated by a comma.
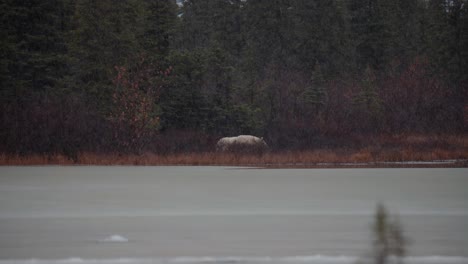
[{"x": 138, "y": 76}]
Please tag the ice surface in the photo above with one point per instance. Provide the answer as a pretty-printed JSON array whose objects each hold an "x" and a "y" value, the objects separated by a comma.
[{"x": 316, "y": 259}]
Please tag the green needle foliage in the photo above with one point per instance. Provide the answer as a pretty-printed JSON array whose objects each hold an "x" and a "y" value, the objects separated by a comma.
[{"x": 293, "y": 71}]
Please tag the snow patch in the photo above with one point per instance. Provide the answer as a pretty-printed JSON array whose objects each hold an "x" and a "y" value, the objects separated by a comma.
[{"x": 115, "y": 238}]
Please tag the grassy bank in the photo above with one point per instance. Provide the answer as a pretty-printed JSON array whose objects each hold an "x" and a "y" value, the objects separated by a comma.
[{"x": 395, "y": 151}]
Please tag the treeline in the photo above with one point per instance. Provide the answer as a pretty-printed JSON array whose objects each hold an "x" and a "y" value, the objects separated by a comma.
[{"x": 131, "y": 76}]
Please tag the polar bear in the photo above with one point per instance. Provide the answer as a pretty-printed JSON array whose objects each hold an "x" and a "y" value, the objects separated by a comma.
[{"x": 242, "y": 144}]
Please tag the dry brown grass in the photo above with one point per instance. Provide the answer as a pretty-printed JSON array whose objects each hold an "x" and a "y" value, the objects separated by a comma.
[{"x": 390, "y": 149}]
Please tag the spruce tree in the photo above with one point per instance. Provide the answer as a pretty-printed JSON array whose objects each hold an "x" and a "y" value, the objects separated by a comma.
[
  {"x": 384, "y": 31},
  {"x": 105, "y": 36},
  {"x": 315, "y": 95},
  {"x": 321, "y": 34},
  {"x": 34, "y": 54},
  {"x": 267, "y": 28},
  {"x": 160, "y": 18}
]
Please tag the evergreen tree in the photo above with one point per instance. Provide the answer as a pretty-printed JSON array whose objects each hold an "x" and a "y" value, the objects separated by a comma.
[
  {"x": 212, "y": 23},
  {"x": 463, "y": 43},
  {"x": 196, "y": 25},
  {"x": 446, "y": 31},
  {"x": 368, "y": 97},
  {"x": 105, "y": 36},
  {"x": 268, "y": 25},
  {"x": 160, "y": 18},
  {"x": 32, "y": 41},
  {"x": 409, "y": 21},
  {"x": 458, "y": 30},
  {"x": 315, "y": 95},
  {"x": 368, "y": 105},
  {"x": 385, "y": 30},
  {"x": 321, "y": 35},
  {"x": 182, "y": 104},
  {"x": 437, "y": 33},
  {"x": 211, "y": 30}
]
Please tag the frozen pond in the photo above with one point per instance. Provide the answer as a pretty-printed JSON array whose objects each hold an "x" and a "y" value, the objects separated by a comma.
[{"x": 217, "y": 214}]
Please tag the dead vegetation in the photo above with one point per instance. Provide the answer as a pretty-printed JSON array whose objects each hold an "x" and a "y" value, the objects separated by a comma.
[{"x": 385, "y": 151}]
